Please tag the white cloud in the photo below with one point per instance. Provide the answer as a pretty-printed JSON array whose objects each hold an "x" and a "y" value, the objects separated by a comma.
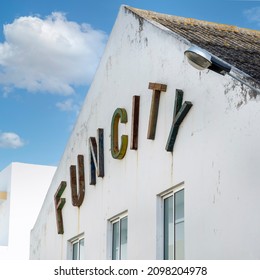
[
  {"x": 68, "y": 105},
  {"x": 10, "y": 140},
  {"x": 253, "y": 14},
  {"x": 49, "y": 55}
]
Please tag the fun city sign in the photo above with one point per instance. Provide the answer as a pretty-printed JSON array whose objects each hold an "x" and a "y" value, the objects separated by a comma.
[{"x": 118, "y": 152}]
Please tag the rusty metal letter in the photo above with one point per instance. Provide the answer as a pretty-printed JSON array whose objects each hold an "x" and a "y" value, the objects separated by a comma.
[
  {"x": 119, "y": 114},
  {"x": 77, "y": 194},
  {"x": 59, "y": 203},
  {"x": 135, "y": 122},
  {"x": 96, "y": 156},
  {"x": 180, "y": 112},
  {"x": 157, "y": 89}
]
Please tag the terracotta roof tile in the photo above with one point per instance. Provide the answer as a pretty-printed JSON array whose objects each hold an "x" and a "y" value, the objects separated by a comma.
[{"x": 239, "y": 47}]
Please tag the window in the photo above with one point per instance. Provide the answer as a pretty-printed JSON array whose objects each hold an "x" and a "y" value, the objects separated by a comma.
[
  {"x": 173, "y": 227},
  {"x": 119, "y": 238},
  {"x": 77, "y": 248}
]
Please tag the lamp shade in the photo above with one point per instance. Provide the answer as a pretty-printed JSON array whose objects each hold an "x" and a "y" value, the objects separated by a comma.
[{"x": 198, "y": 58}]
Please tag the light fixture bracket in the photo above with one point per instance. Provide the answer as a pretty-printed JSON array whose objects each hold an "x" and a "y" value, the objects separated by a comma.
[{"x": 201, "y": 59}]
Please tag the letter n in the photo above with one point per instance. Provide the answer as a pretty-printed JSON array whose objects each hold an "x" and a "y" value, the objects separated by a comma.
[{"x": 96, "y": 157}]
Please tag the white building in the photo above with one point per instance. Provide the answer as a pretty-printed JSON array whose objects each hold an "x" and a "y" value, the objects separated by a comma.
[
  {"x": 163, "y": 160},
  {"x": 22, "y": 191}
]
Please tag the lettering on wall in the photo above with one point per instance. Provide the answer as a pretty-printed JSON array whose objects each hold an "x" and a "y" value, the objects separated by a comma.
[
  {"x": 157, "y": 89},
  {"x": 135, "y": 122},
  {"x": 77, "y": 193},
  {"x": 180, "y": 112},
  {"x": 120, "y": 114},
  {"x": 96, "y": 157},
  {"x": 118, "y": 145},
  {"x": 59, "y": 204}
]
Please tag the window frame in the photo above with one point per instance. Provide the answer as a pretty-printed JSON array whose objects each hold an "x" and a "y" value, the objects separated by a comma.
[
  {"x": 160, "y": 247},
  {"x": 113, "y": 221},
  {"x": 71, "y": 243}
]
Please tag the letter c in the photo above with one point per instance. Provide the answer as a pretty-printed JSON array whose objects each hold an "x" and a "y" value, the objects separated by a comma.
[{"x": 119, "y": 114}]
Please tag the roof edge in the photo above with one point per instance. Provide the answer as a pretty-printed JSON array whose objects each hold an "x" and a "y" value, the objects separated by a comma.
[{"x": 147, "y": 14}]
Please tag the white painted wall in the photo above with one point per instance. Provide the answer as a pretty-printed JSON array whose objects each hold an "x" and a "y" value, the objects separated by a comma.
[
  {"x": 216, "y": 156},
  {"x": 26, "y": 186},
  {"x": 5, "y": 176}
]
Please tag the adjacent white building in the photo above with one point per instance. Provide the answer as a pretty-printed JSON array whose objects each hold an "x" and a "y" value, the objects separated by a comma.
[
  {"x": 163, "y": 160},
  {"x": 22, "y": 191}
]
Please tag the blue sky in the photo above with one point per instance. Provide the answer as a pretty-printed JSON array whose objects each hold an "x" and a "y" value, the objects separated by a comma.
[{"x": 49, "y": 51}]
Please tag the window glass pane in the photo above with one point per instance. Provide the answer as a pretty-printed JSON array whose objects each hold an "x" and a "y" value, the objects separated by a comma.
[
  {"x": 179, "y": 225},
  {"x": 179, "y": 241},
  {"x": 168, "y": 228},
  {"x": 81, "y": 249},
  {"x": 75, "y": 251},
  {"x": 123, "y": 238},
  {"x": 179, "y": 205},
  {"x": 115, "y": 242}
]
